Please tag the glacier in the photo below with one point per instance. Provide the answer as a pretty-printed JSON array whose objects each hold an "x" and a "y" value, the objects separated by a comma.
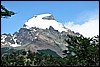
[{"x": 40, "y": 22}]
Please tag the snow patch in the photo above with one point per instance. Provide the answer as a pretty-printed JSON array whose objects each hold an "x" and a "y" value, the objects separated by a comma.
[
  {"x": 37, "y": 34},
  {"x": 15, "y": 45},
  {"x": 3, "y": 44},
  {"x": 27, "y": 27},
  {"x": 3, "y": 38},
  {"x": 41, "y": 23},
  {"x": 14, "y": 36},
  {"x": 34, "y": 30},
  {"x": 35, "y": 38},
  {"x": 14, "y": 39}
]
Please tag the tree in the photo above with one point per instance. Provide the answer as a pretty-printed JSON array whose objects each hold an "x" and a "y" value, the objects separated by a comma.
[
  {"x": 85, "y": 52},
  {"x": 6, "y": 13}
]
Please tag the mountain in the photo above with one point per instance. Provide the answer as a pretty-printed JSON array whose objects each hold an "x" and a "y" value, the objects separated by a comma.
[
  {"x": 45, "y": 21},
  {"x": 41, "y": 32}
]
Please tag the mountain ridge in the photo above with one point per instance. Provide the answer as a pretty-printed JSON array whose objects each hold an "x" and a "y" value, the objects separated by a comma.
[{"x": 32, "y": 37}]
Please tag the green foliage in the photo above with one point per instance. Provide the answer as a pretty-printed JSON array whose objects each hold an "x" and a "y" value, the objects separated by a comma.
[
  {"x": 31, "y": 59},
  {"x": 81, "y": 52},
  {"x": 85, "y": 52},
  {"x": 6, "y": 13},
  {"x": 48, "y": 51}
]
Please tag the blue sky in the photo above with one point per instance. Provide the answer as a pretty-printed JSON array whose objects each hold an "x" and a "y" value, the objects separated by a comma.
[{"x": 63, "y": 11}]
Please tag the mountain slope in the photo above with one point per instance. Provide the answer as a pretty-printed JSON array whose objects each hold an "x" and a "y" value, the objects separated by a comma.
[
  {"x": 40, "y": 32},
  {"x": 45, "y": 21}
]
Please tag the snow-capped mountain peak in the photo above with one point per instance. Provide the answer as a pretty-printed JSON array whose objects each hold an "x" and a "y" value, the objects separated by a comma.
[
  {"x": 45, "y": 21},
  {"x": 39, "y": 32}
]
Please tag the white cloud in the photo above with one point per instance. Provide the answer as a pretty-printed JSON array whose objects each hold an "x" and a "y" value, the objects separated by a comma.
[
  {"x": 89, "y": 28},
  {"x": 87, "y": 15},
  {"x": 88, "y": 24}
]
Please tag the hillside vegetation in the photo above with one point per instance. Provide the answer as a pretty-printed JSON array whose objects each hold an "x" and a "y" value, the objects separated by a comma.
[{"x": 81, "y": 52}]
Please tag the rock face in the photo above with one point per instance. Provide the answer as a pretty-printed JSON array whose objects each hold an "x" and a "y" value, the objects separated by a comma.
[
  {"x": 48, "y": 17},
  {"x": 35, "y": 38}
]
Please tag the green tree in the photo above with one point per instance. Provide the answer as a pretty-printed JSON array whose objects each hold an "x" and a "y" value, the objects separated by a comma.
[
  {"x": 6, "y": 13},
  {"x": 85, "y": 52}
]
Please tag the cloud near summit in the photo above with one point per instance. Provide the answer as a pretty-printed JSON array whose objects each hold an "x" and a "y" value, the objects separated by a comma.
[{"x": 89, "y": 28}]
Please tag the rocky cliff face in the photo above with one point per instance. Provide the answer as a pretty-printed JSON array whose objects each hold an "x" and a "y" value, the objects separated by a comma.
[{"x": 35, "y": 38}]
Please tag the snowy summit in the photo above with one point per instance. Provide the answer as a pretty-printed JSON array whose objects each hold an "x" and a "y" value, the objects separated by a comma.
[{"x": 45, "y": 21}]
